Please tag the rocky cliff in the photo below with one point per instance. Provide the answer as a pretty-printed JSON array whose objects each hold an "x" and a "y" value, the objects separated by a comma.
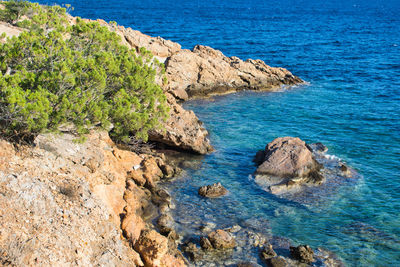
[{"x": 66, "y": 203}]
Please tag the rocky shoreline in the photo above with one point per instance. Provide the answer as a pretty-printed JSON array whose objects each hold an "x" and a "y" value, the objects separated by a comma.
[{"x": 94, "y": 203}]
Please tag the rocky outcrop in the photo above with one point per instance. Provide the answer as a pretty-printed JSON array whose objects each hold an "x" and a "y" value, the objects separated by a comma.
[
  {"x": 156, "y": 251},
  {"x": 205, "y": 71},
  {"x": 69, "y": 203},
  {"x": 286, "y": 163},
  {"x": 213, "y": 190},
  {"x": 182, "y": 131},
  {"x": 159, "y": 47}
]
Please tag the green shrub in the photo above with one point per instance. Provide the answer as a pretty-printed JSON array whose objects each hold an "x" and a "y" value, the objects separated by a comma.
[
  {"x": 55, "y": 74},
  {"x": 13, "y": 10}
]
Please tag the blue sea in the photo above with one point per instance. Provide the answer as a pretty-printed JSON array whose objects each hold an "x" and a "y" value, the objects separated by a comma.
[{"x": 349, "y": 53}]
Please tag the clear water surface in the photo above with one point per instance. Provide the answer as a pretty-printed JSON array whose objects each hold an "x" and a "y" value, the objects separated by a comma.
[{"x": 349, "y": 51}]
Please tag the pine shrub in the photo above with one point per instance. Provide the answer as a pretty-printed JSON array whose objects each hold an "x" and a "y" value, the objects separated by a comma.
[{"x": 58, "y": 73}]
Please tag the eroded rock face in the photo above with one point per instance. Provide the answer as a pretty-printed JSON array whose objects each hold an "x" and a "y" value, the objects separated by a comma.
[
  {"x": 155, "y": 250},
  {"x": 213, "y": 190},
  {"x": 286, "y": 163},
  {"x": 69, "y": 203},
  {"x": 205, "y": 71},
  {"x": 183, "y": 130},
  {"x": 59, "y": 204}
]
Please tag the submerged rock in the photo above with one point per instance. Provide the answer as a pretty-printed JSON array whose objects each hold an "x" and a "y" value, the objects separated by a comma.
[
  {"x": 213, "y": 191},
  {"x": 247, "y": 264},
  {"x": 205, "y": 243},
  {"x": 288, "y": 162},
  {"x": 302, "y": 253},
  {"x": 192, "y": 251},
  {"x": 278, "y": 261}
]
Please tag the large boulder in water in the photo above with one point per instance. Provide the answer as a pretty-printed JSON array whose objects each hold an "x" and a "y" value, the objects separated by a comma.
[
  {"x": 221, "y": 239},
  {"x": 287, "y": 162}
]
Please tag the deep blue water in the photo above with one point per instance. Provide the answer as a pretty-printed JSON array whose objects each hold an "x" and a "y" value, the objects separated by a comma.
[{"x": 349, "y": 52}]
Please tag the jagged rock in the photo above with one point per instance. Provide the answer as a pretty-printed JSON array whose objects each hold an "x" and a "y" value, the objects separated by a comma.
[
  {"x": 183, "y": 130},
  {"x": 132, "y": 225},
  {"x": 302, "y": 253},
  {"x": 205, "y": 71},
  {"x": 267, "y": 252},
  {"x": 155, "y": 251},
  {"x": 212, "y": 191},
  {"x": 221, "y": 239},
  {"x": 288, "y": 162}
]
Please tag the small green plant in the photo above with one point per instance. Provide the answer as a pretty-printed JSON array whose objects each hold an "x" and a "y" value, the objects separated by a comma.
[
  {"x": 13, "y": 10},
  {"x": 55, "y": 74}
]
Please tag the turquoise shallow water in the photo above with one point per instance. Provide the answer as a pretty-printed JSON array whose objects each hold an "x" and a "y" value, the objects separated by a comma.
[
  {"x": 359, "y": 221},
  {"x": 349, "y": 51}
]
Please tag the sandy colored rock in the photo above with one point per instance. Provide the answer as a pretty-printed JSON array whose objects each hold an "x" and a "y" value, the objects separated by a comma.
[
  {"x": 68, "y": 203},
  {"x": 50, "y": 215},
  {"x": 286, "y": 164},
  {"x": 183, "y": 130},
  {"x": 205, "y": 71},
  {"x": 221, "y": 239},
  {"x": 155, "y": 251},
  {"x": 287, "y": 157},
  {"x": 158, "y": 46}
]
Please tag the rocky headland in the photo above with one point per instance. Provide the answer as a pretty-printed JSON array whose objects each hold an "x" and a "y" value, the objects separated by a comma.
[{"x": 95, "y": 203}]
